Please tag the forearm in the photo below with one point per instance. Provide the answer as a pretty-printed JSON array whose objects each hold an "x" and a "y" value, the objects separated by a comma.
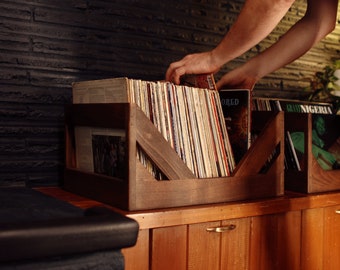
[
  {"x": 319, "y": 20},
  {"x": 256, "y": 20}
]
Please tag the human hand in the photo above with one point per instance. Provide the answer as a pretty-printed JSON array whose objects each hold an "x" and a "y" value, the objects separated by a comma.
[{"x": 198, "y": 63}]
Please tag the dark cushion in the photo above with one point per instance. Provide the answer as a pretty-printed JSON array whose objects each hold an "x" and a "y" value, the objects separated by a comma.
[
  {"x": 100, "y": 260},
  {"x": 34, "y": 225}
]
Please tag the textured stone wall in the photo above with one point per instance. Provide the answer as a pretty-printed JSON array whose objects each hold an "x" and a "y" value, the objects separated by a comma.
[{"x": 45, "y": 45}]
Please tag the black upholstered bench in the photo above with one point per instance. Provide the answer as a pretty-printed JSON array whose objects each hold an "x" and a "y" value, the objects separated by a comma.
[{"x": 41, "y": 232}]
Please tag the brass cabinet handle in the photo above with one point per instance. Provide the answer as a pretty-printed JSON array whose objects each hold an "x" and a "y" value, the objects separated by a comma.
[
  {"x": 222, "y": 229},
  {"x": 337, "y": 211}
]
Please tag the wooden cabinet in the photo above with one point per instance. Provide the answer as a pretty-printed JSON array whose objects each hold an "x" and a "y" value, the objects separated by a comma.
[
  {"x": 259, "y": 243},
  {"x": 295, "y": 231},
  {"x": 321, "y": 238},
  {"x": 209, "y": 245}
]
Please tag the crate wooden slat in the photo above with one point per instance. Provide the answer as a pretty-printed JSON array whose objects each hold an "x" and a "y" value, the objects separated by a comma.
[{"x": 140, "y": 191}]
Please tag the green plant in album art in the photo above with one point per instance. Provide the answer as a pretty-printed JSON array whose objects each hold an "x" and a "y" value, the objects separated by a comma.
[{"x": 325, "y": 84}]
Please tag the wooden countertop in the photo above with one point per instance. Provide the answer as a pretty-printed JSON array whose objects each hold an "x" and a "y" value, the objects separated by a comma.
[{"x": 204, "y": 213}]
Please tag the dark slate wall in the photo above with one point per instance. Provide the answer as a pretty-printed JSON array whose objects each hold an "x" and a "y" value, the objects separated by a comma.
[{"x": 45, "y": 45}]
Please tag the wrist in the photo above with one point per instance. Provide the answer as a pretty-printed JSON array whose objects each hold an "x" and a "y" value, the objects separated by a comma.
[
  {"x": 218, "y": 58},
  {"x": 253, "y": 70},
  {"x": 250, "y": 71}
]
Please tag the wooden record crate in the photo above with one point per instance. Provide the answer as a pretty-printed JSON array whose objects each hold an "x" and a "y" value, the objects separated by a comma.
[
  {"x": 139, "y": 190},
  {"x": 312, "y": 178}
]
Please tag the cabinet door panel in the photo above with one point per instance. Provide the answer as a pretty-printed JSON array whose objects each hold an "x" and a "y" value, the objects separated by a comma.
[
  {"x": 137, "y": 257},
  {"x": 332, "y": 238},
  {"x": 263, "y": 243},
  {"x": 275, "y": 241},
  {"x": 235, "y": 244},
  {"x": 204, "y": 246},
  {"x": 169, "y": 248},
  {"x": 312, "y": 239}
]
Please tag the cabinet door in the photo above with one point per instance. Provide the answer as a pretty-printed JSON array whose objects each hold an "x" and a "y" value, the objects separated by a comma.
[
  {"x": 332, "y": 238},
  {"x": 137, "y": 257},
  {"x": 321, "y": 239},
  {"x": 203, "y": 246},
  {"x": 169, "y": 248},
  {"x": 219, "y": 245},
  {"x": 235, "y": 244},
  {"x": 312, "y": 239},
  {"x": 275, "y": 241}
]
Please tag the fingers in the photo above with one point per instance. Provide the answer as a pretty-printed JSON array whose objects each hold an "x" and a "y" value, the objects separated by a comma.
[
  {"x": 170, "y": 70},
  {"x": 198, "y": 63},
  {"x": 174, "y": 72},
  {"x": 180, "y": 68}
]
